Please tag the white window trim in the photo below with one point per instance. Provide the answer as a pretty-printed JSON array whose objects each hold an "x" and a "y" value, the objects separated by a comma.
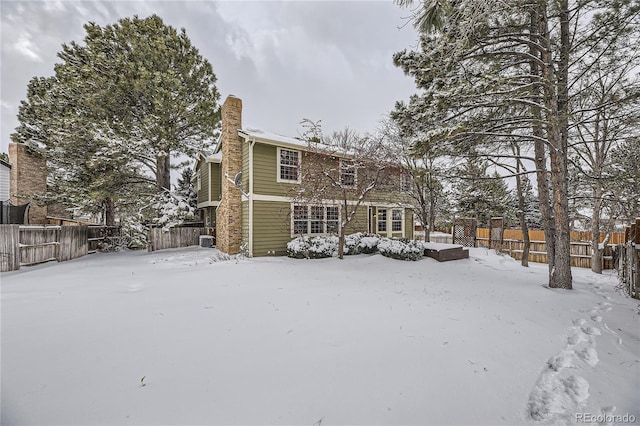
[
  {"x": 389, "y": 221},
  {"x": 355, "y": 173},
  {"x": 199, "y": 180},
  {"x": 278, "y": 165},
  {"x": 309, "y": 220}
]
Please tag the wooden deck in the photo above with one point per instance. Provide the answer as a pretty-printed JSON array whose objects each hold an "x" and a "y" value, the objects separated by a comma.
[{"x": 445, "y": 252}]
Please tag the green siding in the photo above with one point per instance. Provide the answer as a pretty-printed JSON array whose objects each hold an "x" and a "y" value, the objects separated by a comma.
[
  {"x": 215, "y": 182},
  {"x": 265, "y": 172},
  {"x": 271, "y": 228},
  {"x": 265, "y": 175},
  {"x": 408, "y": 224},
  {"x": 360, "y": 222},
  {"x": 245, "y": 166},
  {"x": 203, "y": 193},
  {"x": 272, "y": 219},
  {"x": 245, "y": 223}
]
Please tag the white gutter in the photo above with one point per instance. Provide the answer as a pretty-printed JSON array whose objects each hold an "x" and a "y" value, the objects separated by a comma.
[{"x": 253, "y": 142}]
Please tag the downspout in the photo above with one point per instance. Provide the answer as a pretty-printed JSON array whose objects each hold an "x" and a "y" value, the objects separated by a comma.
[
  {"x": 253, "y": 142},
  {"x": 210, "y": 197},
  {"x": 209, "y": 184}
]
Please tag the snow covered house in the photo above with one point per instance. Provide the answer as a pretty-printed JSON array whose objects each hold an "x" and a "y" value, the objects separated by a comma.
[{"x": 245, "y": 188}]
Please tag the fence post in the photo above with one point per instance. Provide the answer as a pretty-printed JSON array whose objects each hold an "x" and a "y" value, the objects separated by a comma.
[
  {"x": 150, "y": 240},
  {"x": 9, "y": 248},
  {"x": 496, "y": 232}
]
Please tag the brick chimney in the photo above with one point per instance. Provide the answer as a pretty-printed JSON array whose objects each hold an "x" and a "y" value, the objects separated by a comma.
[
  {"x": 28, "y": 178},
  {"x": 229, "y": 212}
]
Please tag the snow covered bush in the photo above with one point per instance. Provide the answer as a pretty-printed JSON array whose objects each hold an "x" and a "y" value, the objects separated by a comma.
[
  {"x": 322, "y": 247},
  {"x": 352, "y": 243},
  {"x": 401, "y": 249},
  {"x": 298, "y": 248},
  {"x": 369, "y": 243},
  {"x": 313, "y": 247},
  {"x": 361, "y": 242},
  {"x": 171, "y": 209}
]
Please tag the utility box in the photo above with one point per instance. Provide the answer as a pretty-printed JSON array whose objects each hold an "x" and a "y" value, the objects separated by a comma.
[{"x": 206, "y": 241}]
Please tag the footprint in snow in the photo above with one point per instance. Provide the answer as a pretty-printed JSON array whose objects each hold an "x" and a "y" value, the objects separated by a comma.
[{"x": 559, "y": 393}]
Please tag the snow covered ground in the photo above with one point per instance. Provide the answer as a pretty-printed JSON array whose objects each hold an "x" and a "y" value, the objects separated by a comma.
[{"x": 367, "y": 340}]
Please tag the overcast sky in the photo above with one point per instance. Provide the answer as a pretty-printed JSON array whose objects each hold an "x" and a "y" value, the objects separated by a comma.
[{"x": 329, "y": 61}]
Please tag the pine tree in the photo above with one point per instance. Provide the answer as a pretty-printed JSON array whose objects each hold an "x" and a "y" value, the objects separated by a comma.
[
  {"x": 491, "y": 73},
  {"x": 118, "y": 108},
  {"x": 482, "y": 195},
  {"x": 185, "y": 189}
]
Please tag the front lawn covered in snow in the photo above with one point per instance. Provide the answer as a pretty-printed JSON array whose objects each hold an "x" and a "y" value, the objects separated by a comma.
[{"x": 364, "y": 340}]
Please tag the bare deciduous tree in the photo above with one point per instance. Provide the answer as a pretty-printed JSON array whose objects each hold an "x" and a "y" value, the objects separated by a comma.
[{"x": 340, "y": 172}]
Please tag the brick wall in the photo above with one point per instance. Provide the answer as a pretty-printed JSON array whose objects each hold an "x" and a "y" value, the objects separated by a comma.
[
  {"x": 28, "y": 178},
  {"x": 229, "y": 212}
]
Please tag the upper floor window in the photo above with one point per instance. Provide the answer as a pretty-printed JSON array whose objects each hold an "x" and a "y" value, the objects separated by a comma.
[
  {"x": 288, "y": 165},
  {"x": 406, "y": 182},
  {"x": 347, "y": 173},
  {"x": 198, "y": 180}
]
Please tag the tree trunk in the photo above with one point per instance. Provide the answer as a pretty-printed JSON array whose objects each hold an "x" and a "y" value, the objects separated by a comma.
[
  {"x": 432, "y": 210},
  {"x": 163, "y": 175},
  {"x": 109, "y": 212},
  {"x": 561, "y": 273},
  {"x": 341, "y": 243},
  {"x": 561, "y": 276},
  {"x": 556, "y": 103},
  {"x": 521, "y": 216},
  {"x": 596, "y": 256},
  {"x": 537, "y": 27}
]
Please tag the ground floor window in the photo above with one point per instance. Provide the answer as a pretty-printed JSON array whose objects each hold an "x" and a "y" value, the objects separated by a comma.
[
  {"x": 300, "y": 220},
  {"x": 386, "y": 220},
  {"x": 382, "y": 220},
  {"x": 396, "y": 220},
  {"x": 314, "y": 220}
]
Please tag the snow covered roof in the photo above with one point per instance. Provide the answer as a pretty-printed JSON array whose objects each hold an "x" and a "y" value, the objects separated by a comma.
[
  {"x": 214, "y": 158},
  {"x": 271, "y": 137},
  {"x": 208, "y": 157},
  {"x": 286, "y": 141}
]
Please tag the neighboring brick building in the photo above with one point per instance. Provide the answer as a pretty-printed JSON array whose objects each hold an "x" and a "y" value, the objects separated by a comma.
[{"x": 28, "y": 181}]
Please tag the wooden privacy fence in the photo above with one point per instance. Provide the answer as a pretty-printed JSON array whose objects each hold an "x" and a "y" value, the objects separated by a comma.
[
  {"x": 22, "y": 245},
  {"x": 30, "y": 245},
  {"x": 628, "y": 260},
  {"x": 628, "y": 266},
  {"x": 482, "y": 234},
  {"x": 103, "y": 237},
  {"x": 513, "y": 244},
  {"x": 160, "y": 239}
]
